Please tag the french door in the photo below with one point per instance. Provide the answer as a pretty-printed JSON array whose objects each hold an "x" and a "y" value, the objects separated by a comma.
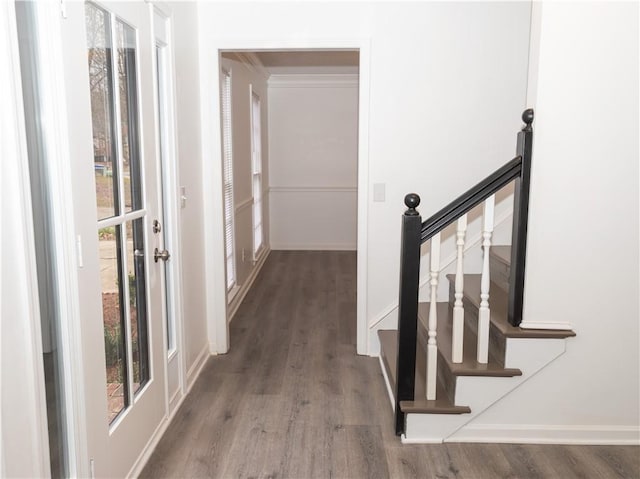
[{"x": 109, "y": 52}]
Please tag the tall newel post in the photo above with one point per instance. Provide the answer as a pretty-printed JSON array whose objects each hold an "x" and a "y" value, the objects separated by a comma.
[
  {"x": 408, "y": 306},
  {"x": 520, "y": 219}
]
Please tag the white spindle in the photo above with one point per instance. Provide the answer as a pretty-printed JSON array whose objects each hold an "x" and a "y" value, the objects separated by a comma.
[
  {"x": 432, "y": 346},
  {"x": 484, "y": 314},
  {"x": 457, "y": 338}
]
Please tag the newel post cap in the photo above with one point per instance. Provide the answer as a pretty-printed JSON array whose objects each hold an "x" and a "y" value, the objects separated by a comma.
[
  {"x": 527, "y": 117},
  {"x": 411, "y": 201}
]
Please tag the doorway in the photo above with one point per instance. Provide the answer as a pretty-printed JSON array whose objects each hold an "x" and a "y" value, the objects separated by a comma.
[{"x": 310, "y": 168}]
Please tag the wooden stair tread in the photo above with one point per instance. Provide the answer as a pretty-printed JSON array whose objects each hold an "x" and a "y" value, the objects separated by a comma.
[
  {"x": 498, "y": 300},
  {"x": 388, "y": 352},
  {"x": 501, "y": 253},
  {"x": 469, "y": 365}
]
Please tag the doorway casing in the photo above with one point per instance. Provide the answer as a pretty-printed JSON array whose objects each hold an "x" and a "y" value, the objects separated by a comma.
[{"x": 216, "y": 304}]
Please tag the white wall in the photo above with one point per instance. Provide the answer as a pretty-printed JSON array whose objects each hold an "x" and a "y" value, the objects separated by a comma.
[
  {"x": 447, "y": 87},
  {"x": 246, "y": 78},
  {"x": 583, "y": 246},
  {"x": 313, "y": 151},
  {"x": 191, "y": 177}
]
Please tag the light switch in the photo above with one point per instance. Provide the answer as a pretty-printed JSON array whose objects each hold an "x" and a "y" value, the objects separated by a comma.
[{"x": 379, "y": 192}]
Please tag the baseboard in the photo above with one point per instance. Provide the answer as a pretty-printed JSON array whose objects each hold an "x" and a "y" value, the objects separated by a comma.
[
  {"x": 196, "y": 368},
  {"x": 315, "y": 246},
  {"x": 176, "y": 400},
  {"x": 244, "y": 289},
  {"x": 547, "y": 434}
]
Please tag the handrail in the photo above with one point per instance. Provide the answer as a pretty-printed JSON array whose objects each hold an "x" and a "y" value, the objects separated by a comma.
[{"x": 471, "y": 198}]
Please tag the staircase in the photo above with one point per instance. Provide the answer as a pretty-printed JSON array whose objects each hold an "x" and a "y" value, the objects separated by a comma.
[
  {"x": 467, "y": 388},
  {"x": 449, "y": 361}
]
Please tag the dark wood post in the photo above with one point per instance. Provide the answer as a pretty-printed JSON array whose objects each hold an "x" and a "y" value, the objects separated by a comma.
[
  {"x": 520, "y": 219},
  {"x": 408, "y": 307}
]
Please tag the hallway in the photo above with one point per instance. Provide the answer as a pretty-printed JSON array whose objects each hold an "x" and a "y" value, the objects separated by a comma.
[{"x": 292, "y": 400}]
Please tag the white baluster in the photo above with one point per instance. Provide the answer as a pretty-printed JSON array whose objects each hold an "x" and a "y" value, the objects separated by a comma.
[
  {"x": 484, "y": 314},
  {"x": 457, "y": 338},
  {"x": 432, "y": 346}
]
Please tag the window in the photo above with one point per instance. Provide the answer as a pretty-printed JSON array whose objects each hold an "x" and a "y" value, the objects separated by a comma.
[
  {"x": 228, "y": 179},
  {"x": 256, "y": 168}
]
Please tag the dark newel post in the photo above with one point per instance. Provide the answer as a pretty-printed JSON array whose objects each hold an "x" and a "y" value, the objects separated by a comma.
[
  {"x": 520, "y": 218},
  {"x": 408, "y": 306}
]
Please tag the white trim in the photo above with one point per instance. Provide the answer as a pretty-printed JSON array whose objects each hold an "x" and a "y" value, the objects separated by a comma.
[
  {"x": 196, "y": 367},
  {"x": 405, "y": 440},
  {"x": 319, "y": 80},
  {"x": 242, "y": 291},
  {"x": 314, "y": 246},
  {"x": 546, "y": 325},
  {"x": 387, "y": 383},
  {"x": 176, "y": 402},
  {"x": 548, "y": 434},
  {"x": 243, "y": 205},
  {"x": 214, "y": 282},
  {"x": 313, "y": 189}
]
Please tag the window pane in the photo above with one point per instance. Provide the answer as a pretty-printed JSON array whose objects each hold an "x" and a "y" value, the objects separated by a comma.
[
  {"x": 137, "y": 303},
  {"x": 101, "y": 89},
  {"x": 126, "y": 65},
  {"x": 113, "y": 319}
]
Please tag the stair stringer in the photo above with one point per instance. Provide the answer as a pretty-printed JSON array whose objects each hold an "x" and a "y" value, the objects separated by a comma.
[{"x": 480, "y": 392}]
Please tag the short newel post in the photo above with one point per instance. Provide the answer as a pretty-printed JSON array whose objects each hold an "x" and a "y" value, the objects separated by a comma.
[
  {"x": 408, "y": 307},
  {"x": 520, "y": 219}
]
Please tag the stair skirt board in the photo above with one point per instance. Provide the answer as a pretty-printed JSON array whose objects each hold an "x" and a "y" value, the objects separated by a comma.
[
  {"x": 481, "y": 392},
  {"x": 387, "y": 384}
]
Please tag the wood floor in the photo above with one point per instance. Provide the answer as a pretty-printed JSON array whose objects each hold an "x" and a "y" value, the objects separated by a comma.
[{"x": 292, "y": 400}]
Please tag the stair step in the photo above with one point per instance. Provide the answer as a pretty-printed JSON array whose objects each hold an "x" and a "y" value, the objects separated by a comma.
[
  {"x": 502, "y": 254},
  {"x": 469, "y": 365},
  {"x": 498, "y": 301},
  {"x": 389, "y": 354},
  {"x": 500, "y": 266}
]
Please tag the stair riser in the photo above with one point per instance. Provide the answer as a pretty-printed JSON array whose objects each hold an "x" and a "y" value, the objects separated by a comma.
[{"x": 499, "y": 273}]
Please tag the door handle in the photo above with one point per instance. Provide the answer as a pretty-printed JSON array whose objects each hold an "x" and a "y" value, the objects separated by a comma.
[{"x": 163, "y": 255}]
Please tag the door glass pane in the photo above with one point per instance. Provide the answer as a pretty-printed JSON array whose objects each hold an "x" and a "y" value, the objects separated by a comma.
[
  {"x": 113, "y": 319},
  {"x": 126, "y": 61},
  {"x": 137, "y": 303},
  {"x": 100, "y": 84}
]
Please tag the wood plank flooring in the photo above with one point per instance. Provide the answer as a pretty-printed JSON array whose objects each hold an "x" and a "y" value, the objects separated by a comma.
[{"x": 292, "y": 399}]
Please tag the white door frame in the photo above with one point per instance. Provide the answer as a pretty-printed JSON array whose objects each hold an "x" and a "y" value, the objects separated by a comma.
[
  {"x": 217, "y": 324},
  {"x": 51, "y": 69}
]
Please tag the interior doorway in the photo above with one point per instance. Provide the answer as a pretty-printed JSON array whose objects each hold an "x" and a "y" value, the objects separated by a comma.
[{"x": 306, "y": 135}]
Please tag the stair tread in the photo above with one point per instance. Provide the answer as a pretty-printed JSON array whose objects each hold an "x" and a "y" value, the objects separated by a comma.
[
  {"x": 388, "y": 352},
  {"x": 498, "y": 300},
  {"x": 469, "y": 365},
  {"x": 501, "y": 253}
]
